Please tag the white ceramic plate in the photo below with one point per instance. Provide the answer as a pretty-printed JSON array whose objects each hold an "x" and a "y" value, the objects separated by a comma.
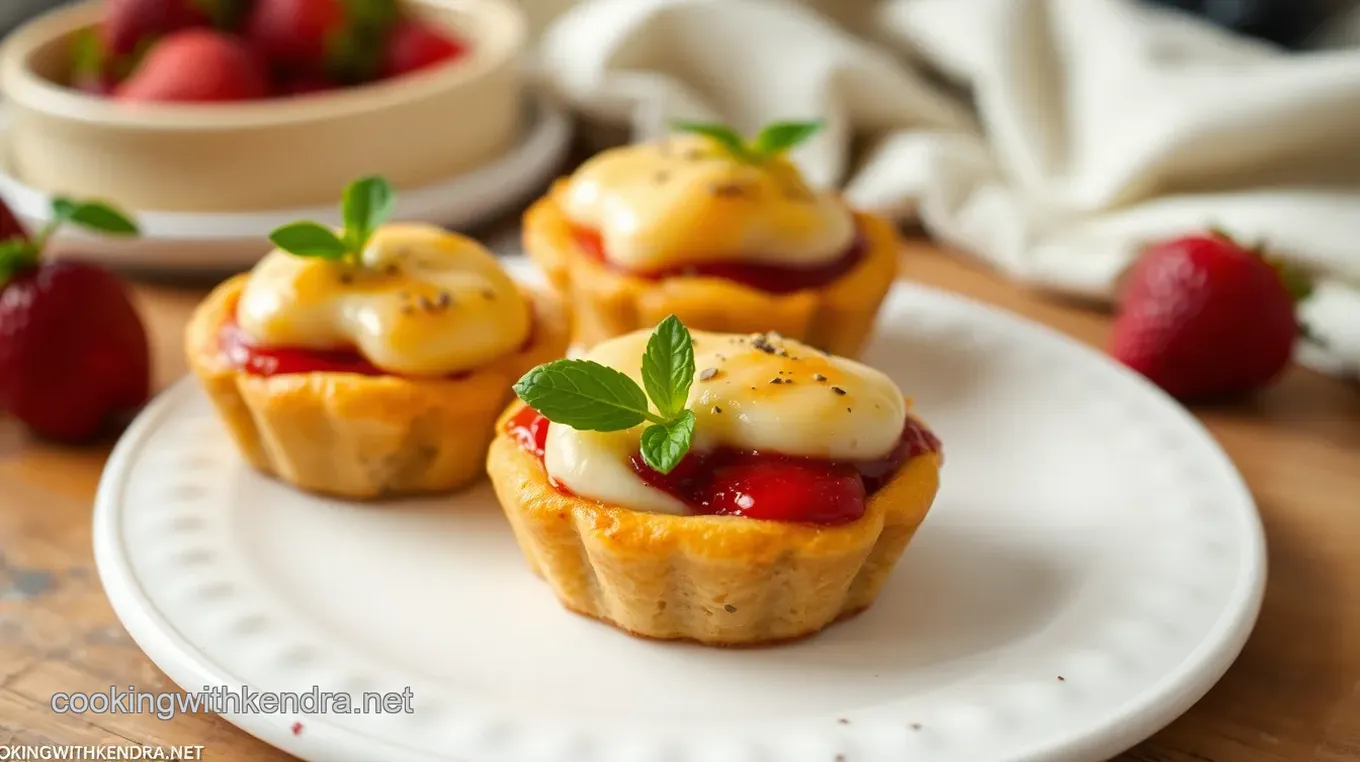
[
  {"x": 1092, "y": 566},
  {"x": 179, "y": 242}
]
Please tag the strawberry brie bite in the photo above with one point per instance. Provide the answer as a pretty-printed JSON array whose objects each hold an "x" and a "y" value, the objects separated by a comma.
[
  {"x": 371, "y": 361},
  {"x": 724, "y": 233},
  {"x": 725, "y": 488}
]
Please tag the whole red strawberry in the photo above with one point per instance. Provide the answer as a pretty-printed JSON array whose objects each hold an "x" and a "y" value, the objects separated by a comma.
[
  {"x": 197, "y": 65},
  {"x": 1203, "y": 316},
  {"x": 340, "y": 39},
  {"x": 412, "y": 46},
  {"x": 73, "y": 351}
]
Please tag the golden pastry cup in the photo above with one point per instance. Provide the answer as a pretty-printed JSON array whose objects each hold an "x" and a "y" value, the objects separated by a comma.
[
  {"x": 605, "y": 302},
  {"x": 717, "y": 580},
  {"x": 357, "y": 436}
]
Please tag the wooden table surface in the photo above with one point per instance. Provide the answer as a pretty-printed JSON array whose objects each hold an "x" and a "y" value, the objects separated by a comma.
[{"x": 1294, "y": 695}]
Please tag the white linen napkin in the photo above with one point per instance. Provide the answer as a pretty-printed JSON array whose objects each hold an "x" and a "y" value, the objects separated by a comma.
[{"x": 1070, "y": 133}]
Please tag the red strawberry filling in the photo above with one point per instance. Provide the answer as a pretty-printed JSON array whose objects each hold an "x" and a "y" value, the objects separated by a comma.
[
  {"x": 259, "y": 360},
  {"x": 530, "y": 430},
  {"x": 763, "y": 485},
  {"x": 773, "y": 279}
]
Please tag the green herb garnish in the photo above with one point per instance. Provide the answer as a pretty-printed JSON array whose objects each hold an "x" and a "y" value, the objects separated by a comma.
[
  {"x": 366, "y": 205},
  {"x": 19, "y": 253},
  {"x": 772, "y": 140},
  {"x": 588, "y": 396}
]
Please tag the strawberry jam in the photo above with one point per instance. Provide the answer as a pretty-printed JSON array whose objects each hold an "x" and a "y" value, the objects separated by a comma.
[
  {"x": 530, "y": 430},
  {"x": 760, "y": 485},
  {"x": 773, "y": 279},
  {"x": 277, "y": 361}
]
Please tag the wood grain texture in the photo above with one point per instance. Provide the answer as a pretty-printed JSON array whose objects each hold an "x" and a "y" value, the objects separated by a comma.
[{"x": 1293, "y": 696}]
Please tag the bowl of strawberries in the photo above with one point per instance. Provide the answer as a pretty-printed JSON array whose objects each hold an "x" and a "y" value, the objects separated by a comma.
[{"x": 230, "y": 106}]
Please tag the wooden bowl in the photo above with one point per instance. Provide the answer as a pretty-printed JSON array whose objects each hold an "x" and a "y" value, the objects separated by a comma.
[{"x": 266, "y": 154}]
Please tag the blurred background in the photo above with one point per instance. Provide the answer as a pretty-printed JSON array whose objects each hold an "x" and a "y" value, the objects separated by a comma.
[
  {"x": 1297, "y": 24},
  {"x": 1053, "y": 140}
]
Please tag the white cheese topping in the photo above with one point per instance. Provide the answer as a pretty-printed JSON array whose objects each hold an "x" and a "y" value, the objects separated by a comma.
[
  {"x": 426, "y": 303},
  {"x": 683, "y": 201},
  {"x": 822, "y": 407}
]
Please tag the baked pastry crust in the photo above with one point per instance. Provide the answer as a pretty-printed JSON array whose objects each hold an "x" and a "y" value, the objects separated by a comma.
[
  {"x": 836, "y": 318},
  {"x": 357, "y": 436},
  {"x": 718, "y": 580}
]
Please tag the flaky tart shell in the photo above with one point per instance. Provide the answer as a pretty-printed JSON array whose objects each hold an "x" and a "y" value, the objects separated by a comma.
[
  {"x": 717, "y": 580},
  {"x": 357, "y": 436},
  {"x": 836, "y": 318}
]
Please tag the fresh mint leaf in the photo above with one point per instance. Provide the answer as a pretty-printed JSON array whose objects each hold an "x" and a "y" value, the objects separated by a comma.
[
  {"x": 366, "y": 205},
  {"x": 665, "y": 445},
  {"x": 585, "y": 395},
  {"x": 668, "y": 367},
  {"x": 309, "y": 239},
  {"x": 779, "y": 137},
  {"x": 91, "y": 215},
  {"x": 725, "y": 136},
  {"x": 62, "y": 209},
  {"x": 100, "y": 217}
]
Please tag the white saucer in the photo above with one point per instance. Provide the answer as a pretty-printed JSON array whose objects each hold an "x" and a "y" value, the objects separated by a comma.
[
  {"x": 180, "y": 242},
  {"x": 1092, "y": 566}
]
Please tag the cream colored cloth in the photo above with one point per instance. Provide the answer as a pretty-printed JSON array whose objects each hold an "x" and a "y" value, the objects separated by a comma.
[{"x": 1070, "y": 134}]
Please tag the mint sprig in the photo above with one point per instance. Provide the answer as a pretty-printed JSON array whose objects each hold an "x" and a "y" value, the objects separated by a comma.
[
  {"x": 588, "y": 396},
  {"x": 668, "y": 367},
  {"x": 366, "y": 205},
  {"x": 772, "y": 140},
  {"x": 19, "y": 253}
]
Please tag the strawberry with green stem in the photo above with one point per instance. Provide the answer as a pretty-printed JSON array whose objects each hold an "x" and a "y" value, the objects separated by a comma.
[{"x": 74, "y": 355}]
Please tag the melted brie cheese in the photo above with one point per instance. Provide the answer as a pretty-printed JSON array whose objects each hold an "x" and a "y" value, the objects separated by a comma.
[
  {"x": 684, "y": 201},
  {"x": 425, "y": 302},
  {"x": 822, "y": 407}
]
